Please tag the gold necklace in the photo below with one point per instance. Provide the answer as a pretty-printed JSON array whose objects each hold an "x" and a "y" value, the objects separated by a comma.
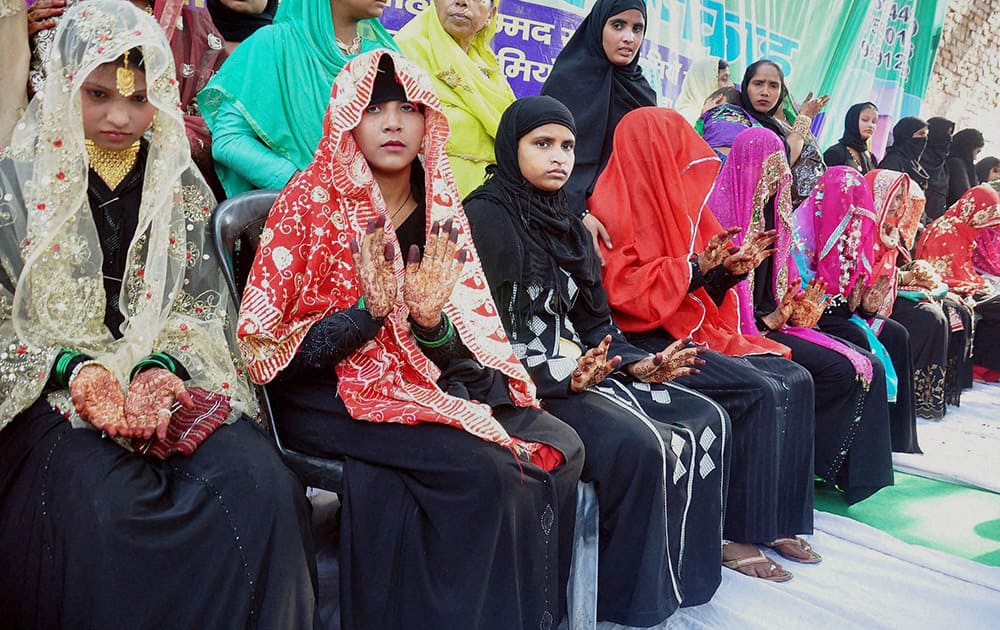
[{"x": 112, "y": 166}]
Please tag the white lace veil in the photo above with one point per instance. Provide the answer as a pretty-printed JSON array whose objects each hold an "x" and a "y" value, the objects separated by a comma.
[{"x": 51, "y": 287}]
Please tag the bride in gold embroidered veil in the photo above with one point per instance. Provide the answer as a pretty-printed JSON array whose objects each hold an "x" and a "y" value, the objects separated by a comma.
[{"x": 114, "y": 315}]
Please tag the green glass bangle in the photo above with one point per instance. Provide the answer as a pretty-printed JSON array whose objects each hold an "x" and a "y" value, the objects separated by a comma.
[
  {"x": 157, "y": 359},
  {"x": 445, "y": 338},
  {"x": 63, "y": 361},
  {"x": 361, "y": 303}
]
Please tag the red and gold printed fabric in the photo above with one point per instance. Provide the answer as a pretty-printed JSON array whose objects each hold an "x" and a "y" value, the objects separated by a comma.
[
  {"x": 303, "y": 272},
  {"x": 949, "y": 241}
]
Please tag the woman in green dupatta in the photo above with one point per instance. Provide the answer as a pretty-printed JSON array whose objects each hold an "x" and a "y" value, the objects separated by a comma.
[
  {"x": 451, "y": 41},
  {"x": 265, "y": 106}
]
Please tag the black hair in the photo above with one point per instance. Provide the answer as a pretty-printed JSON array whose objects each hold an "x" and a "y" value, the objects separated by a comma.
[
  {"x": 723, "y": 64},
  {"x": 730, "y": 93}
]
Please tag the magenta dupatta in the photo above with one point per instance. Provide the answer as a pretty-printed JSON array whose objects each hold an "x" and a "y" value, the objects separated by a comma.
[{"x": 755, "y": 165}]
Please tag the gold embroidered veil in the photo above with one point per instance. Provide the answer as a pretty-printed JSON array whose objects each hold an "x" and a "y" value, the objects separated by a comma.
[{"x": 52, "y": 296}]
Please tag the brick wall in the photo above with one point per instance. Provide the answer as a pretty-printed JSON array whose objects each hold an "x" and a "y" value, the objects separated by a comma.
[{"x": 965, "y": 80}]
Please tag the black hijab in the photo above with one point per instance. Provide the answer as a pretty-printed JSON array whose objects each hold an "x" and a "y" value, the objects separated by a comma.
[
  {"x": 852, "y": 133},
  {"x": 597, "y": 92},
  {"x": 905, "y": 152},
  {"x": 767, "y": 118},
  {"x": 550, "y": 237},
  {"x": 983, "y": 168},
  {"x": 964, "y": 144}
]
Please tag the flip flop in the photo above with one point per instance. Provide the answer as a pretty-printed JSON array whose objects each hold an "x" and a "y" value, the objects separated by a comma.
[
  {"x": 814, "y": 558},
  {"x": 760, "y": 558}
]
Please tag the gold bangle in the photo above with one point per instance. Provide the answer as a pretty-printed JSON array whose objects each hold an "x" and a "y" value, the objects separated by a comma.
[
  {"x": 79, "y": 367},
  {"x": 801, "y": 126}
]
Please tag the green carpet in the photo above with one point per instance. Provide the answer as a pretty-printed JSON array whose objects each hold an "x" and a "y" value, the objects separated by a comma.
[{"x": 955, "y": 519}]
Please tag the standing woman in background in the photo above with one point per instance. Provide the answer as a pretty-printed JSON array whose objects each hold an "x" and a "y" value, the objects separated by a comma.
[
  {"x": 451, "y": 41},
  {"x": 703, "y": 77},
  {"x": 597, "y": 76}
]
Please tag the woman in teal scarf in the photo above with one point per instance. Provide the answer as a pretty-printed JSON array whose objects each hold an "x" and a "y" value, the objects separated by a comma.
[{"x": 265, "y": 106}]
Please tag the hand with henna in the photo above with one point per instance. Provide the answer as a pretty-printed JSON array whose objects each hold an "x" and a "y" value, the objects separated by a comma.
[
  {"x": 854, "y": 299},
  {"x": 40, "y": 15},
  {"x": 874, "y": 295},
  {"x": 429, "y": 282},
  {"x": 717, "y": 250},
  {"x": 678, "y": 359},
  {"x": 373, "y": 264},
  {"x": 753, "y": 252},
  {"x": 149, "y": 403},
  {"x": 98, "y": 399},
  {"x": 776, "y": 319},
  {"x": 593, "y": 367},
  {"x": 808, "y": 309}
]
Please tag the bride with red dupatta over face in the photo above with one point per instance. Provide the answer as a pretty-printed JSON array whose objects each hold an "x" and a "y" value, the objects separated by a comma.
[{"x": 459, "y": 492}]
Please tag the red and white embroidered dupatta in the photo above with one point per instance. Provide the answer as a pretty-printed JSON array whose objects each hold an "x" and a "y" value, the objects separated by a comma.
[{"x": 303, "y": 272}]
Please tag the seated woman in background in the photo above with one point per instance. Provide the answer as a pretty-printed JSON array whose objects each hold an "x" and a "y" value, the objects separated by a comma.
[
  {"x": 899, "y": 203},
  {"x": 401, "y": 365},
  {"x": 670, "y": 277},
  {"x": 763, "y": 93},
  {"x": 597, "y": 76},
  {"x": 853, "y": 149},
  {"x": 988, "y": 170},
  {"x": 948, "y": 244},
  {"x": 703, "y": 77},
  {"x": 909, "y": 139},
  {"x": 116, "y": 318},
  {"x": 965, "y": 147},
  {"x": 239, "y": 19},
  {"x": 933, "y": 160},
  {"x": 853, "y": 449},
  {"x": 662, "y": 500},
  {"x": 836, "y": 231},
  {"x": 265, "y": 106},
  {"x": 451, "y": 41}
]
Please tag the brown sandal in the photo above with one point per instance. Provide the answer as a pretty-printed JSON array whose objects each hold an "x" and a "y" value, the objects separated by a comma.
[
  {"x": 760, "y": 558},
  {"x": 814, "y": 558}
]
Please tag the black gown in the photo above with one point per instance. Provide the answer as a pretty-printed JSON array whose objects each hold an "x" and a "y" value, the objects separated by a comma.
[
  {"x": 656, "y": 453},
  {"x": 94, "y": 536},
  {"x": 439, "y": 528},
  {"x": 930, "y": 332},
  {"x": 895, "y": 338},
  {"x": 853, "y": 444}
]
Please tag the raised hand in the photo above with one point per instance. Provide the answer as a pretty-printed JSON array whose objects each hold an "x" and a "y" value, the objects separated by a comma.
[
  {"x": 678, "y": 359},
  {"x": 777, "y": 318},
  {"x": 717, "y": 250},
  {"x": 753, "y": 252},
  {"x": 874, "y": 295},
  {"x": 429, "y": 282},
  {"x": 809, "y": 305},
  {"x": 98, "y": 399},
  {"x": 149, "y": 403},
  {"x": 593, "y": 367},
  {"x": 373, "y": 264},
  {"x": 854, "y": 299},
  {"x": 812, "y": 106}
]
